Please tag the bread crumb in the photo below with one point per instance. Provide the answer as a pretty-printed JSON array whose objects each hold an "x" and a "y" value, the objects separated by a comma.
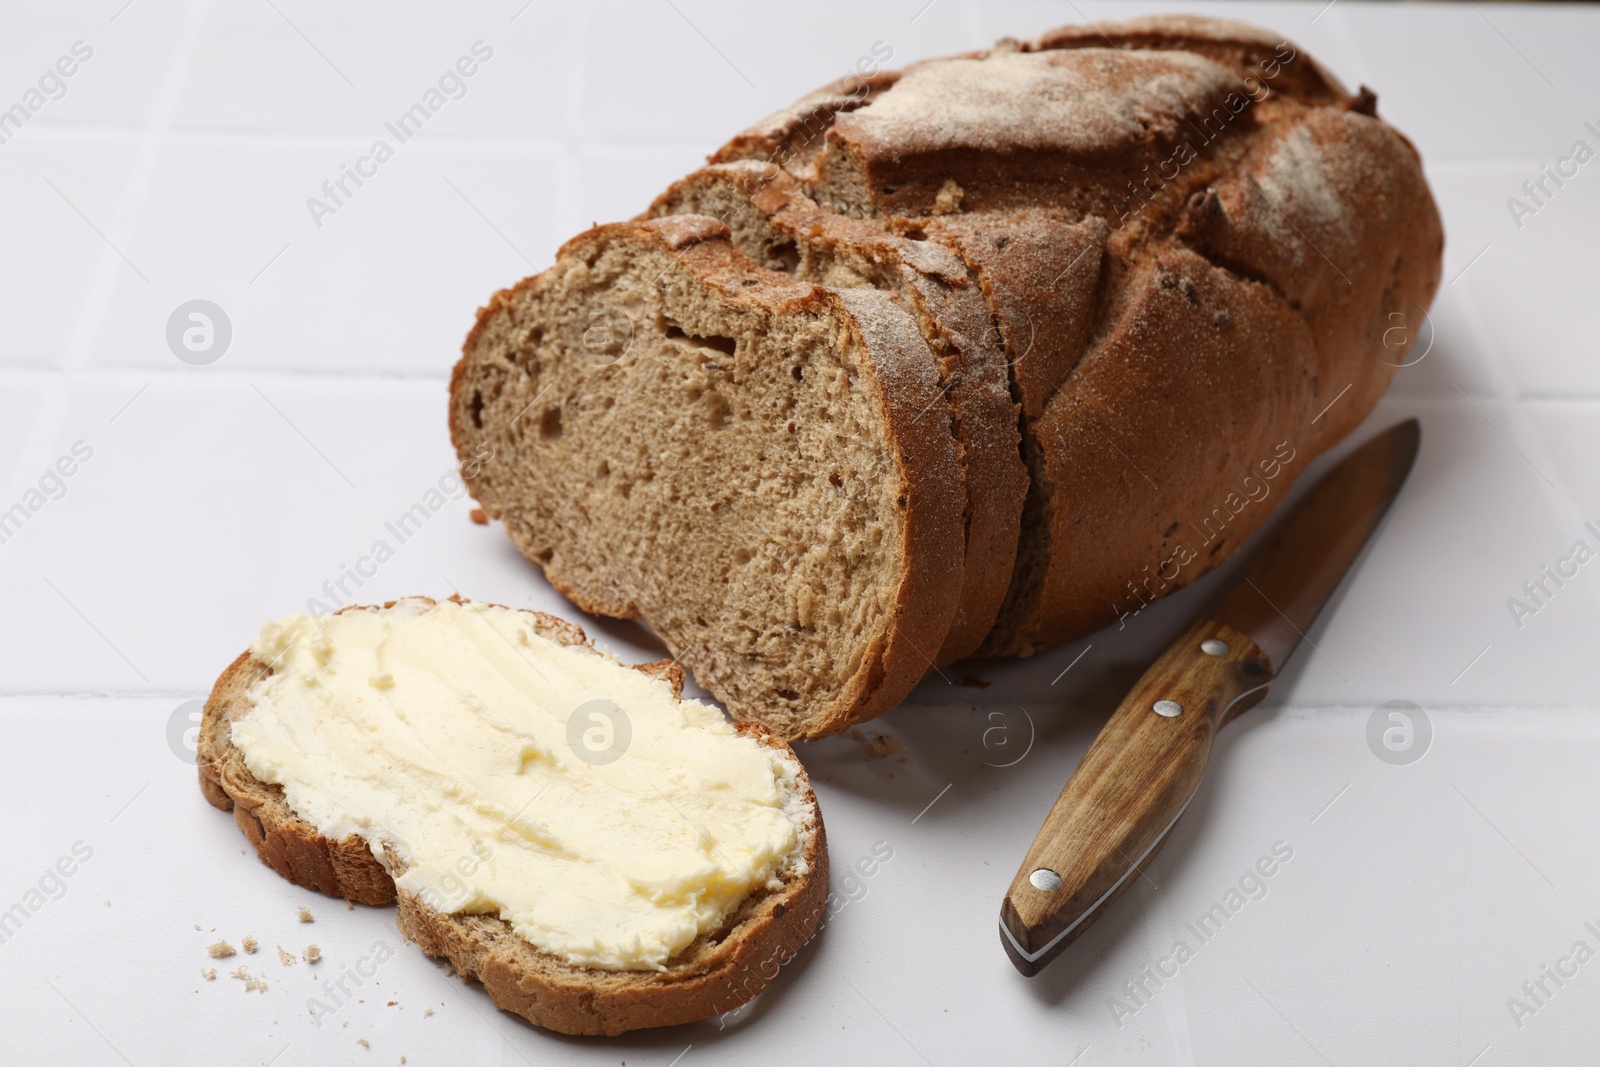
[
  {"x": 256, "y": 985},
  {"x": 197, "y": 926},
  {"x": 249, "y": 944},
  {"x": 362, "y": 1042},
  {"x": 349, "y": 905},
  {"x": 285, "y": 958},
  {"x": 948, "y": 202},
  {"x": 427, "y": 1013},
  {"x": 306, "y": 916},
  {"x": 477, "y": 516},
  {"x": 391, "y": 1003},
  {"x": 241, "y": 973},
  {"x": 221, "y": 950},
  {"x": 208, "y": 973},
  {"x": 881, "y": 745},
  {"x": 313, "y": 954}
]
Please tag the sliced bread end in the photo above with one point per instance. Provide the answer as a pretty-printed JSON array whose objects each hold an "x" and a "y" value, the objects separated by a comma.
[{"x": 761, "y": 469}]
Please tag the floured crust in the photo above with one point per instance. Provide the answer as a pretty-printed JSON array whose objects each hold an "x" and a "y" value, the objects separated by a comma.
[{"x": 716, "y": 973}]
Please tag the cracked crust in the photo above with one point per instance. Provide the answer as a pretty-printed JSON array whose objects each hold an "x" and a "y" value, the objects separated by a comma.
[{"x": 716, "y": 973}]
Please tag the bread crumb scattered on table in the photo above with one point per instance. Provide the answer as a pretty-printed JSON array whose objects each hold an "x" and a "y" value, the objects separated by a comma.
[
  {"x": 285, "y": 958},
  {"x": 209, "y": 973},
  {"x": 313, "y": 954},
  {"x": 476, "y": 515},
  {"x": 221, "y": 950},
  {"x": 306, "y": 916},
  {"x": 881, "y": 745}
]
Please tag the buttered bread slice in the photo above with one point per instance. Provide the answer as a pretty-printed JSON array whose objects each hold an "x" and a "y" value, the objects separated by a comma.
[{"x": 600, "y": 853}]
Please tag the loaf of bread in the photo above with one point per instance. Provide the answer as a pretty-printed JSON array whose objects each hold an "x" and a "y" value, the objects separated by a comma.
[
  {"x": 1133, "y": 277},
  {"x": 715, "y": 973}
]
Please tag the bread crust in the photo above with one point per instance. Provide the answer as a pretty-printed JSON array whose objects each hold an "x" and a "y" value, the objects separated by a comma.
[{"x": 716, "y": 973}]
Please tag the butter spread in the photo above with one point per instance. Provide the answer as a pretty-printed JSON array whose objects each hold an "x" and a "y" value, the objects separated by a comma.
[{"x": 608, "y": 822}]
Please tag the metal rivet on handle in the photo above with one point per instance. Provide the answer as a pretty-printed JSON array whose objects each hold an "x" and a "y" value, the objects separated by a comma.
[
  {"x": 1046, "y": 879},
  {"x": 1213, "y": 647},
  {"x": 1170, "y": 709}
]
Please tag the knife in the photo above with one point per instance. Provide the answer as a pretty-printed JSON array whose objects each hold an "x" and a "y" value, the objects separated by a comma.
[{"x": 1144, "y": 768}]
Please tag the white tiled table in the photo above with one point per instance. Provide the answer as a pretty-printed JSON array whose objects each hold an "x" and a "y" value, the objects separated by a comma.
[{"x": 1419, "y": 898}]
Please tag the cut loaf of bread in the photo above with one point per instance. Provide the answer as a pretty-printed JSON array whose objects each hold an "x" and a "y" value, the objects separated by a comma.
[
  {"x": 1196, "y": 257},
  {"x": 763, "y": 470},
  {"x": 716, "y": 973}
]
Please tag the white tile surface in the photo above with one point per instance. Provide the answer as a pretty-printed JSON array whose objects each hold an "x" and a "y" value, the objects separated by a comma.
[
  {"x": 64, "y": 228},
  {"x": 717, "y": 67},
  {"x": 1528, "y": 288},
  {"x": 118, "y": 69},
  {"x": 1419, "y": 898},
  {"x": 386, "y": 285},
  {"x": 349, "y": 70}
]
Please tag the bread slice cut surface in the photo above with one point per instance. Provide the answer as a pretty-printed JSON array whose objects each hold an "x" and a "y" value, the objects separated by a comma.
[{"x": 763, "y": 470}]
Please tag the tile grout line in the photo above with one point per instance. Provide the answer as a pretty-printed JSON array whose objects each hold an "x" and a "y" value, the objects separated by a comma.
[
  {"x": 1560, "y": 498},
  {"x": 134, "y": 374},
  {"x": 64, "y": 373},
  {"x": 572, "y": 125},
  {"x": 135, "y": 193},
  {"x": 444, "y": 143}
]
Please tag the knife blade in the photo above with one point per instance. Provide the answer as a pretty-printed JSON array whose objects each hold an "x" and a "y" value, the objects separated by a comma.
[{"x": 1146, "y": 764}]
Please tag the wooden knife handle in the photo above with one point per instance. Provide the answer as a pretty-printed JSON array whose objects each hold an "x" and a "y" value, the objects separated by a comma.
[{"x": 1132, "y": 785}]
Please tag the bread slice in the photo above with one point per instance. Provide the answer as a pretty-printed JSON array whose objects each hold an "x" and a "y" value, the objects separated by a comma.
[
  {"x": 716, "y": 973},
  {"x": 776, "y": 225},
  {"x": 761, "y": 469}
]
